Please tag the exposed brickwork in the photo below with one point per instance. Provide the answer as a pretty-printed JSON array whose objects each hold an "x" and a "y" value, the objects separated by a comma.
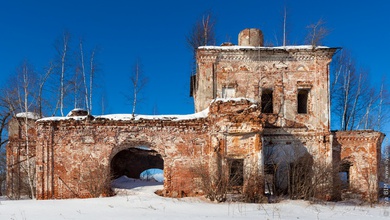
[
  {"x": 133, "y": 161},
  {"x": 74, "y": 154},
  {"x": 362, "y": 151},
  {"x": 18, "y": 156}
]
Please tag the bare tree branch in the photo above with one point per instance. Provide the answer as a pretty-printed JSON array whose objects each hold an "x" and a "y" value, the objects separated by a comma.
[{"x": 317, "y": 33}]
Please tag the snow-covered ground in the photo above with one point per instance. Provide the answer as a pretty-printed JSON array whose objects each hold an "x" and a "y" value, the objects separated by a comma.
[{"x": 138, "y": 201}]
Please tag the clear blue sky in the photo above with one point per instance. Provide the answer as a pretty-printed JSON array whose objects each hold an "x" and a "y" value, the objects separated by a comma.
[{"x": 155, "y": 32}]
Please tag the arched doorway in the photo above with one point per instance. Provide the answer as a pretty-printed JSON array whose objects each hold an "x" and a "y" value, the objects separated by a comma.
[{"x": 132, "y": 161}]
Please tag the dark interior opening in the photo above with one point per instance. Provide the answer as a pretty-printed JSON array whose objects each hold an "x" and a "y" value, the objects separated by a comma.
[
  {"x": 344, "y": 174},
  {"x": 236, "y": 172},
  {"x": 266, "y": 101},
  {"x": 133, "y": 161},
  {"x": 303, "y": 95}
]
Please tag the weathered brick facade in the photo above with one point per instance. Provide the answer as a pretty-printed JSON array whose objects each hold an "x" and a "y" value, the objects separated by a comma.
[
  {"x": 262, "y": 113},
  {"x": 21, "y": 156}
]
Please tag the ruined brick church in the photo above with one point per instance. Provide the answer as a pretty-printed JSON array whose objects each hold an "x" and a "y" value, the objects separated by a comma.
[{"x": 261, "y": 127}]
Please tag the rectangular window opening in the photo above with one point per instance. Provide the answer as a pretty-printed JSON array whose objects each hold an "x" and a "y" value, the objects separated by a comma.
[
  {"x": 303, "y": 96},
  {"x": 266, "y": 101},
  {"x": 344, "y": 175},
  {"x": 193, "y": 87}
]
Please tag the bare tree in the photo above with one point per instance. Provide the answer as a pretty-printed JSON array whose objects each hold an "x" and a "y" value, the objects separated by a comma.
[
  {"x": 42, "y": 81},
  {"x": 317, "y": 33},
  {"x": 88, "y": 78},
  {"x": 63, "y": 54},
  {"x": 355, "y": 103},
  {"x": 138, "y": 83},
  {"x": 202, "y": 33},
  {"x": 92, "y": 66},
  {"x": 83, "y": 74},
  {"x": 284, "y": 26},
  {"x": 4, "y": 118},
  {"x": 5, "y": 115},
  {"x": 22, "y": 98}
]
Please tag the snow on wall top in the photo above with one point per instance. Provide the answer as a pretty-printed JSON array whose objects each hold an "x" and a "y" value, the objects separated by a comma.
[
  {"x": 233, "y": 99},
  {"x": 127, "y": 117},
  {"x": 299, "y": 47},
  {"x": 29, "y": 115},
  {"x": 60, "y": 118}
]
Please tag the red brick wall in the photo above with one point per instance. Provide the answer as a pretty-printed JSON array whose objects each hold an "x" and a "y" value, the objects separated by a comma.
[{"x": 362, "y": 149}]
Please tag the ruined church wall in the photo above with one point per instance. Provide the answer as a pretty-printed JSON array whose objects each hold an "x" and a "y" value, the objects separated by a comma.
[
  {"x": 283, "y": 71},
  {"x": 236, "y": 131},
  {"x": 19, "y": 158},
  {"x": 361, "y": 150},
  {"x": 72, "y": 154}
]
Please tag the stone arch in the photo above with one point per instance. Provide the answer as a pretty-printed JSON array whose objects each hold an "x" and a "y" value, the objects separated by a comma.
[{"x": 134, "y": 157}]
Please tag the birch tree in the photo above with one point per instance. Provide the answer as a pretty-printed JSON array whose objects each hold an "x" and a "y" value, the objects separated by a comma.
[
  {"x": 62, "y": 48},
  {"x": 346, "y": 91},
  {"x": 138, "y": 82},
  {"x": 92, "y": 70},
  {"x": 26, "y": 96},
  {"x": 83, "y": 75},
  {"x": 43, "y": 79},
  {"x": 88, "y": 76},
  {"x": 21, "y": 98},
  {"x": 202, "y": 33},
  {"x": 355, "y": 103}
]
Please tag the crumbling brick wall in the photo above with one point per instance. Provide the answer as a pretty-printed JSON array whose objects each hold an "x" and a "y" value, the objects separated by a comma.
[
  {"x": 248, "y": 71},
  {"x": 19, "y": 158},
  {"x": 361, "y": 151},
  {"x": 73, "y": 154},
  {"x": 69, "y": 149}
]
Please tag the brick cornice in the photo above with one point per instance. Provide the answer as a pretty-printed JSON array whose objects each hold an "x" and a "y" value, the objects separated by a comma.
[{"x": 263, "y": 55}]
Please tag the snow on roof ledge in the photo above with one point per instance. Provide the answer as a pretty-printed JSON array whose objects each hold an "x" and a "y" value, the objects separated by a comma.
[
  {"x": 29, "y": 115},
  {"x": 297, "y": 47},
  {"x": 60, "y": 118},
  {"x": 232, "y": 99},
  {"x": 128, "y": 117}
]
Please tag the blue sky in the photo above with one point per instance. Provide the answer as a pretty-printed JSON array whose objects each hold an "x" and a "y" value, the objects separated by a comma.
[{"x": 155, "y": 31}]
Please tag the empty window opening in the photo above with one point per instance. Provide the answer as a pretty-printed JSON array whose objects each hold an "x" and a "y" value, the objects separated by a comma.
[
  {"x": 266, "y": 101},
  {"x": 344, "y": 175},
  {"x": 228, "y": 92},
  {"x": 236, "y": 172},
  {"x": 303, "y": 95}
]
